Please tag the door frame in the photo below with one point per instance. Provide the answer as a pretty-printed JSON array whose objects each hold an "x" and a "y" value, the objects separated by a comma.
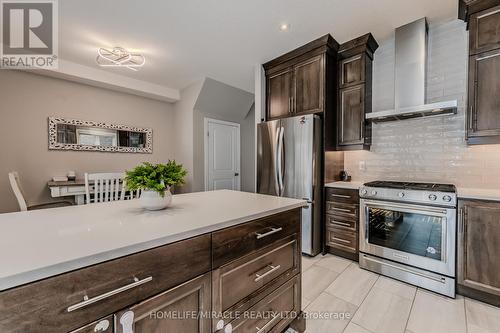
[{"x": 206, "y": 143}]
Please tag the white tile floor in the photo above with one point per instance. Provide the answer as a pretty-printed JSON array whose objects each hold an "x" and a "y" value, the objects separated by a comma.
[{"x": 338, "y": 296}]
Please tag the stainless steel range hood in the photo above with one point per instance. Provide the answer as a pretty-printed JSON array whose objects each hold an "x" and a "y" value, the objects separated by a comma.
[{"x": 410, "y": 78}]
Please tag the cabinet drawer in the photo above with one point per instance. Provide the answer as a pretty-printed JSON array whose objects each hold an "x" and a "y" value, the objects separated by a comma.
[
  {"x": 235, "y": 242},
  {"x": 274, "y": 312},
  {"x": 240, "y": 279},
  {"x": 342, "y": 239},
  {"x": 341, "y": 222},
  {"x": 341, "y": 209},
  {"x": 342, "y": 195},
  {"x": 49, "y": 305}
]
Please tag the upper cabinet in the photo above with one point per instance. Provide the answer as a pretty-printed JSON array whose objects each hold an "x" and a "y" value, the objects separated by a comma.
[
  {"x": 483, "y": 111},
  {"x": 484, "y": 28},
  {"x": 355, "y": 93},
  {"x": 296, "y": 83}
]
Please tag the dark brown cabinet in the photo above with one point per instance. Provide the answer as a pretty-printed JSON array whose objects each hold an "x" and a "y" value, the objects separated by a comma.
[
  {"x": 309, "y": 86},
  {"x": 355, "y": 93},
  {"x": 171, "y": 311},
  {"x": 254, "y": 266},
  {"x": 484, "y": 30},
  {"x": 279, "y": 94},
  {"x": 484, "y": 98},
  {"x": 483, "y": 111},
  {"x": 302, "y": 81},
  {"x": 478, "y": 271},
  {"x": 341, "y": 222}
]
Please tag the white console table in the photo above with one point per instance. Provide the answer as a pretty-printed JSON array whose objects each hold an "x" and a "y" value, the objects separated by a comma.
[{"x": 75, "y": 188}]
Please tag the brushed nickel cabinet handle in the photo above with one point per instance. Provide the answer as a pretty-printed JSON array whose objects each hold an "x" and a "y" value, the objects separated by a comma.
[
  {"x": 267, "y": 325},
  {"x": 340, "y": 196},
  {"x": 342, "y": 209},
  {"x": 269, "y": 233},
  {"x": 88, "y": 301},
  {"x": 273, "y": 269},
  {"x": 340, "y": 223},
  {"x": 341, "y": 240}
]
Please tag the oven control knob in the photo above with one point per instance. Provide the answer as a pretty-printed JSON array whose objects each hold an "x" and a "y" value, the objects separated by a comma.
[
  {"x": 374, "y": 192},
  {"x": 364, "y": 191},
  {"x": 447, "y": 198},
  {"x": 432, "y": 197},
  {"x": 401, "y": 194}
]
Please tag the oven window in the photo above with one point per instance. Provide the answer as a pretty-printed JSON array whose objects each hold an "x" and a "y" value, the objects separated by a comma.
[{"x": 413, "y": 233}]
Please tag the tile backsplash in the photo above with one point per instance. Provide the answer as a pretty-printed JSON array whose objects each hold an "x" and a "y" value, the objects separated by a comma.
[{"x": 427, "y": 149}]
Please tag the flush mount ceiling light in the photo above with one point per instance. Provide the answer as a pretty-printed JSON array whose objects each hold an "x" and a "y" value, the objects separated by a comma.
[
  {"x": 284, "y": 27},
  {"x": 119, "y": 57}
]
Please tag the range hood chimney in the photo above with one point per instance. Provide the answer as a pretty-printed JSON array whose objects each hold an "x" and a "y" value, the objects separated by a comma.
[{"x": 410, "y": 78}]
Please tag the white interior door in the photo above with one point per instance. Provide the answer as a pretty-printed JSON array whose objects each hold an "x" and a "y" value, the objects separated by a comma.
[{"x": 222, "y": 155}]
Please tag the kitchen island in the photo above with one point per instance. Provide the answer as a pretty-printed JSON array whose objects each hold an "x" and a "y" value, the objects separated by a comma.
[{"x": 113, "y": 267}]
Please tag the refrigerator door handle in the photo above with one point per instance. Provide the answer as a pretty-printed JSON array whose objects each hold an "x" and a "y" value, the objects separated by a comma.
[
  {"x": 280, "y": 158},
  {"x": 276, "y": 165}
]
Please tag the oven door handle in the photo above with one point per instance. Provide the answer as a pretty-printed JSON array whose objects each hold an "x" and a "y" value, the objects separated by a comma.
[{"x": 404, "y": 208}]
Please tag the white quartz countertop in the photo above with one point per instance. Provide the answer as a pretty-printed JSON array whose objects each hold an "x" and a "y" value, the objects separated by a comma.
[
  {"x": 43, "y": 243},
  {"x": 348, "y": 185},
  {"x": 478, "y": 193}
]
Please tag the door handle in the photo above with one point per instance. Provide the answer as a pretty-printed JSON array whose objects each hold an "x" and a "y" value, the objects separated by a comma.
[
  {"x": 280, "y": 157},
  {"x": 236, "y": 174}
]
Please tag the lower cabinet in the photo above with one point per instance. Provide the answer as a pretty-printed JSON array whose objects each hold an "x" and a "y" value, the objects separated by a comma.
[
  {"x": 478, "y": 269},
  {"x": 342, "y": 222},
  {"x": 185, "y": 308},
  {"x": 251, "y": 271}
]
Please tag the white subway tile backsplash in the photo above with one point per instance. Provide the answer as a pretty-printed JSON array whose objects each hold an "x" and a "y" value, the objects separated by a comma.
[{"x": 427, "y": 149}]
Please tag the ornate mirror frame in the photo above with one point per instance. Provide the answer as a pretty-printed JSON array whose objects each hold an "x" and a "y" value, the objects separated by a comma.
[{"x": 54, "y": 145}]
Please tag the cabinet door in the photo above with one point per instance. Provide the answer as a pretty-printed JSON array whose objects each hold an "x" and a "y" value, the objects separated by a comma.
[
  {"x": 352, "y": 71},
  {"x": 484, "y": 95},
  {"x": 479, "y": 246},
  {"x": 484, "y": 32},
  {"x": 279, "y": 94},
  {"x": 309, "y": 86},
  {"x": 352, "y": 116},
  {"x": 183, "y": 309}
]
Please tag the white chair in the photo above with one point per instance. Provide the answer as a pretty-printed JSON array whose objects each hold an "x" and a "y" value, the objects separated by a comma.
[
  {"x": 107, "y": 187},
  {"x": 23, "y": 205}
]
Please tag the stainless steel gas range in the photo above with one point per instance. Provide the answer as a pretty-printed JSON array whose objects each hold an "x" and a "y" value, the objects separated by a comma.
[{"x": 408, "y": 232}]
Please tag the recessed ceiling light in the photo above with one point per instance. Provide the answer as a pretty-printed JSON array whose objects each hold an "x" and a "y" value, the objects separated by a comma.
[
  {"x": 119, "y": 57},
  {"x": 285, "y": 27}
]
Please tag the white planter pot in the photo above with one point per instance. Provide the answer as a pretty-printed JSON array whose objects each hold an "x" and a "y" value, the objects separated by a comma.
[{"x": 152, "y": 200}]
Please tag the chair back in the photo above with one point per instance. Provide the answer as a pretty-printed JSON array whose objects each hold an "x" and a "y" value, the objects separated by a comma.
[
  {"x": 18, "y": 191},
  {"x": 104, "y": 187}
]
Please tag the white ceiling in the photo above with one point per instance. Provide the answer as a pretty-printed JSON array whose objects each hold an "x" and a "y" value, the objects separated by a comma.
[{"x": 185, "y": 40}]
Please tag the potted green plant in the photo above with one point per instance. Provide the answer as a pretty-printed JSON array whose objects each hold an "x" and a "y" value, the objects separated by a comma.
[{"x": 155, "y": 181}]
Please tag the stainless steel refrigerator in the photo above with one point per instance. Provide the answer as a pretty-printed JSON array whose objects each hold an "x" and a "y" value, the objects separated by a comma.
[{"x": 289, "y": 164}]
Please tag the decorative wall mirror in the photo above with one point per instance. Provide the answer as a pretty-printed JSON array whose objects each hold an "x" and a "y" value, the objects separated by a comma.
[{"x": 71, "y": 134}]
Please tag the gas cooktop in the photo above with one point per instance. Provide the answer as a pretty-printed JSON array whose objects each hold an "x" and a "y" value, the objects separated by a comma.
[{"x": 413, "y": 186}]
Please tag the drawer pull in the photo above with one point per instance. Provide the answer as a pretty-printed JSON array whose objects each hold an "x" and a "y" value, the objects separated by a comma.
[
  {"x": 269, "y": 233},
  {"x": 267, "y": 325},
  {"x": 341, "y": 209},
  {"x": 340, "y": 196},
  {"x": 341, "y": 223},
  {"x": 88, "y": 301},
  {"x": 273, "y": 269},
  {"x": 341, "y": 240}
]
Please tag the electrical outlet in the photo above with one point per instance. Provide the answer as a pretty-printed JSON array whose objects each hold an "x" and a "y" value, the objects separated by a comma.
[{"x": 362, "y": 166}]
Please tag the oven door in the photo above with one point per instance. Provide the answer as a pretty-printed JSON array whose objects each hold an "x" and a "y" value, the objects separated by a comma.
[{"x": 415, "y": 235}]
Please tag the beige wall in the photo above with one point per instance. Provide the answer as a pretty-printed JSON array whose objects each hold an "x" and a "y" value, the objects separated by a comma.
[{"x": 26, "y": 100}]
